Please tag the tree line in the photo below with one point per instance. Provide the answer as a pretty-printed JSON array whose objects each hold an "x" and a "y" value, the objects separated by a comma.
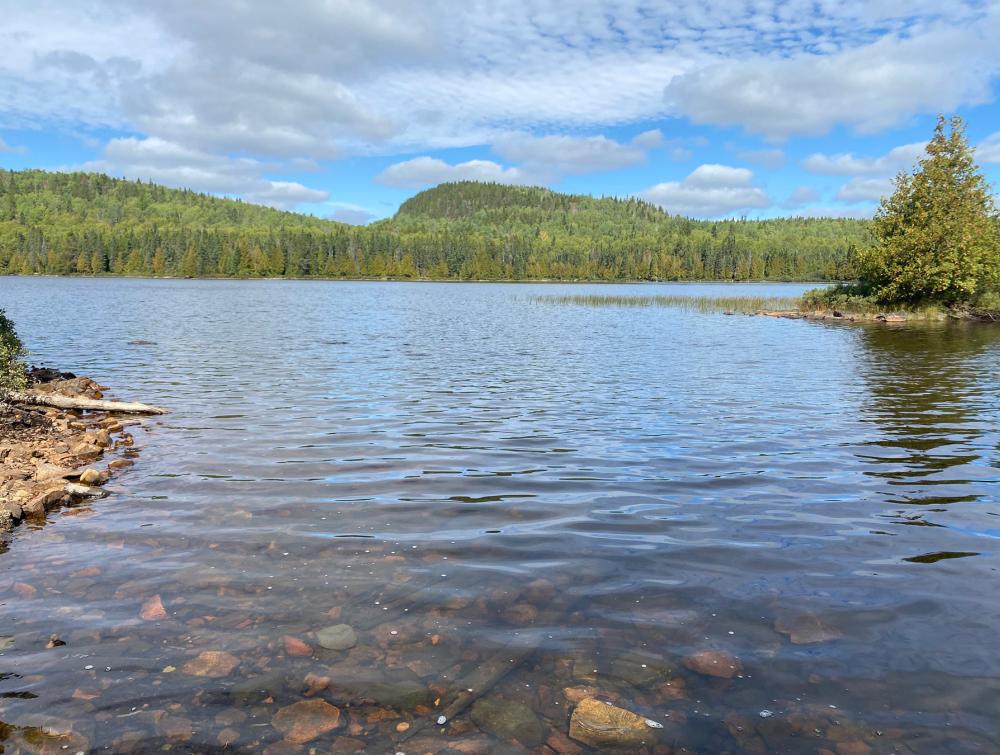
[{"x": 91, "y": 224}]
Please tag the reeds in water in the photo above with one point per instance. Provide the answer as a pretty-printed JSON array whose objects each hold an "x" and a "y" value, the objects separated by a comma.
[{"x": 739, "y": 304}]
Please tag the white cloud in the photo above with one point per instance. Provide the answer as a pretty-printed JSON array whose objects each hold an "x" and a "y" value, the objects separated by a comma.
[
  {"x": 899, "y": 158},
  {"x": 11, "y": 149},
  {"x": 988, "y": 150},
  {"x": 649, "y": 139},
  {"x": 709, "y": 191},
  {"x": 869, "y": 85},
  {"x": 352, "y": 214},
  {"x": 800, "y": 197},
  {"x": 556, "y": 156},
  {"x": 865, "y": 190},
  {"x": 171, "y": 164},
  {"x": 320, "y": 77},
  {"x": 421, "y": 172}
]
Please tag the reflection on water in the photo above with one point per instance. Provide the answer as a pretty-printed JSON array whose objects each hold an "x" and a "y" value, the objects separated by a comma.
[{"x": 766, "y": 535}]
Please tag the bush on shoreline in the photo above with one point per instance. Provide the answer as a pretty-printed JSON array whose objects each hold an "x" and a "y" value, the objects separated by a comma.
[{"x": 12, "y": 371}]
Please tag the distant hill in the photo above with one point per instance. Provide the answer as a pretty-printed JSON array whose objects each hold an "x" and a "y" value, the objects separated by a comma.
[{"x": 79, "y": 223}]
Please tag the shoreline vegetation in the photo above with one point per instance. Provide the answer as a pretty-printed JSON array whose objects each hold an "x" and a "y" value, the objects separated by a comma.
[
  {"x": 91, "y": 224},
  {"x": 55, "y": 431}
]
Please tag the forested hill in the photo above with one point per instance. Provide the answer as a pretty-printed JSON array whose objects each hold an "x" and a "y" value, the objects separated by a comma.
[{"x": 78, "y": 223}]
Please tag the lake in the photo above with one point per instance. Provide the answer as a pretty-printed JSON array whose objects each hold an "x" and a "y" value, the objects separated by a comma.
[{"x": 478, "y": 476}]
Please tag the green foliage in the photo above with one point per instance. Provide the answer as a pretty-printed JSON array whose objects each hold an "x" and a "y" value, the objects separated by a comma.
[
  {"x": 12, "y": 373},
  {"x": 936, "y": 237},
  {"x": 847, "y": 297},
  {"x": 78, "y": 223}
]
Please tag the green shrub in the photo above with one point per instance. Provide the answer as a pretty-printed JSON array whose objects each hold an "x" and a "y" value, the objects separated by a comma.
[
  {"x": 989, "y": 301},
  {"x": 12, "y": 372},
  {"x": 936, "y": 237},
  {"x": 846, "y": 297}
]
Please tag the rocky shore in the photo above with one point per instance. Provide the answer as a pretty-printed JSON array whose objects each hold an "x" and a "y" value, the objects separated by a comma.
[{"x": 51, "y": 458}]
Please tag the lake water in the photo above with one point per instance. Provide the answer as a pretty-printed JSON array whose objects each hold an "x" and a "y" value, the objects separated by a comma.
[{"x": 473, "y": 475}]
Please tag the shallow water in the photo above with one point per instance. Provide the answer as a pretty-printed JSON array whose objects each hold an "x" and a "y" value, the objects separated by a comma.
[{"x": 470, "y": 475}]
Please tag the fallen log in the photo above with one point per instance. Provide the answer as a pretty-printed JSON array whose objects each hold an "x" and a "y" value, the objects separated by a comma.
[
  {"x": 88, "y": 404},
  {"x": 477, "y": 683}
]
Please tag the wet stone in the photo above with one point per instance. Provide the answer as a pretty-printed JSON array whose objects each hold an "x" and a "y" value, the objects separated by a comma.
[
  {"x": 639, "y": 670},
  {"x": 805, "y": 628},
  {"x": 400, "y": 695},
  {"x": 212, "y": 663},
  {"x": 305, "y": 720},
  {"x": 337, "y": 637},
  {"x": 506, "y": 720},
  {"x": 599, "y": 724},
  {"x": 717, "y": 663},
  {"x": 257, "y": 688}
]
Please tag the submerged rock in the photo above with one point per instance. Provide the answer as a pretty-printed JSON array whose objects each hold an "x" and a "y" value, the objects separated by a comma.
[
  {"x": 640, "y": 670},
  {"x": 805, "y": 629},
  {"x": 153, "y": 609},
  {"x": 508, "y": 720},
  {"x": 601, "y": 725},
  {"x": 257, "y": 688},
  {"x": 305, "y": 720},
  {"x": 211, "y": 663},
  {"x": 716, "y": 663},
  {"x": 337, "y": 637},
  {"x": 295, "y": 646}
]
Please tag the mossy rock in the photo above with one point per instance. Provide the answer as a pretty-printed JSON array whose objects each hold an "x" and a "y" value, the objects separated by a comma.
[{"x": 506, "y": 720}]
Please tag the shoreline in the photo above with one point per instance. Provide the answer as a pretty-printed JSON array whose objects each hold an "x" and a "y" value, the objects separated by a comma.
[
  {"x": 899, "y": 317},
  {"x": 51, "y": 458},
  {"x": 338, "y": 279}
]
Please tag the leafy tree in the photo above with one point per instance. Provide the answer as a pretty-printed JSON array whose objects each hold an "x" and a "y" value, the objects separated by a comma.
[
  {"x": 936, "y": 237},
  {"x": 12, "y": 374}
]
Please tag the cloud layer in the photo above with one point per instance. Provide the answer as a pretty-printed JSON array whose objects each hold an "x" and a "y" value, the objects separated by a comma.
[
  {"x": 230, "y": 96},
  {"x": 709, "y": 191}
]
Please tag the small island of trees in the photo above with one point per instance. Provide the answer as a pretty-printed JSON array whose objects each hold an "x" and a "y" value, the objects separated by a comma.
[{"x": 936, "y": 240}]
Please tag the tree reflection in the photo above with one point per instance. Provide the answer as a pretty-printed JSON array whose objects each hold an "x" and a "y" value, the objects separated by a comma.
[{"x": 932, "y": 393}]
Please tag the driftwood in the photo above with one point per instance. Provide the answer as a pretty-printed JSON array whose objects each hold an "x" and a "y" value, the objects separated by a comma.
[
  {"x": 477, "y": 683},
  {"x": 89, "y": 404}
]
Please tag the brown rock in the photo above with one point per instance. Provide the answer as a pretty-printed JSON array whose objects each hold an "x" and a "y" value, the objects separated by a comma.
[
  {"x": 472, "y": 746},
  {"x": 46, "y": 471},
  {"x": 520, "y": 614},
  {"x": 576, "y": 694},
  {"x": 805, "y": 628},
  {"x": 295, "y": 646},
  {"x": 45, "y": 500},
  {"x": 211, "y": 663},
  {"x": 600, "y": 725},
  {"x": 175, "y": 728},
  {"x": 714, "y": 663},
  {"x": 303, "y": 721},
  {"x": 672, "y": 689},
  {"x": 90, "y": 476},
  {"x": 24, "y": 590},
  {"x": 153, "y": 610},
  {"x": 120, "y": 464},
  {"x": 562, "y": 744},
  {"x": 316, "y": 684},
  {"x": 856, "y": 747},
  {"x": 228, "y": 736}
]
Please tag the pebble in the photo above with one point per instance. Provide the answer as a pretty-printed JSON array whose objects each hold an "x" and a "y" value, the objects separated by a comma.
[{"x": 337, "y": 637}]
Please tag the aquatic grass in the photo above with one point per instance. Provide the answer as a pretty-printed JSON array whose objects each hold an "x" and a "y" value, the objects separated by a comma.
[{"x": 737, "y": 304}]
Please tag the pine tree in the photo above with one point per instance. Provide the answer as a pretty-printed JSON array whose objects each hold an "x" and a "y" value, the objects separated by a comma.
[{"x": 936, "y": 236}]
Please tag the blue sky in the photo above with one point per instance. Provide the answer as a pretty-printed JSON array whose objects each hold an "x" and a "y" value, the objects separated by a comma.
[{"x": 344, "y": 108}]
